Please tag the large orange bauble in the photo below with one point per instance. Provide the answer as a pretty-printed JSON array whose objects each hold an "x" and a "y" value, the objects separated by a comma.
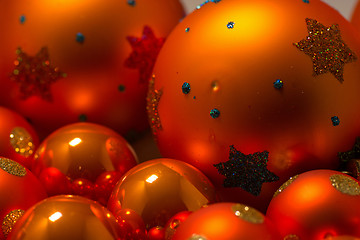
[
  {"x": 270, "y": 85},
  {"x": 65, "y": 61}
]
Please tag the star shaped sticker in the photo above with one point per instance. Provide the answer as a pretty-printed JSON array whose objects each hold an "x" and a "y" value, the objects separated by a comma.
[
  {"x": 353, "y": 153},
  {"x": 35, "y": 74},
  {"x": 246, "y": 171},
  {"x": 152, "y": 99},
  {"x": 144, "y": 53},
  {"x": 326, "y": 48}
]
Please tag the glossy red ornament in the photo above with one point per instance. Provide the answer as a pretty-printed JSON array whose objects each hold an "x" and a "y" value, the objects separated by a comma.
[
  {"x": 156, "y": 233},
  {"x": 84, "y": 159},
  {"x": 66, "y": 217},
  {"x": 131, "y": 224},
  {"x": 317, "y": 204},
  {"x": 226, "y": 221},
  {"x": 174, "y": 222},
  {"x": 19, "y": 190},
  {"x": 65, "y": 61},
  {"x": 159, "y": 188},
  {"x": 242, "y": 82},
  {"x": 18, "y": 139}
]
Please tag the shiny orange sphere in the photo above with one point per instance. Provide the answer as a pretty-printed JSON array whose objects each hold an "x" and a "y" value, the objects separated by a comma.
[
  {"x": 226, "y": 221},
  {"x": 268, "y": 81},
  {"x": 65, "y": 61},
  {"x": 160, "y": 188},
  {"x": 317, "y": 204},
  {"x": 84, "y": 156},
  {"x": 66, "y": 217}
]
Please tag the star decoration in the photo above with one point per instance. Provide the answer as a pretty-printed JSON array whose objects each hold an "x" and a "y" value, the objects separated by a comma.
[
  {"x": 144, "y": 53},
  {"x": 152, "y": 99},
  {"x": 246, "y": 171},
  {"x": 34, "y": 75},
  {"x": 353, "y": 153},
  {"x": 326, "y": 48}
]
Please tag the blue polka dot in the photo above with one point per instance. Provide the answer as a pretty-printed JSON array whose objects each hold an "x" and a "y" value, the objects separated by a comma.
[
  {"x": 278, "y": 84},
  {"x": 185, "y": 88},
  {"x": 214, "y": 113},
  {"x": 335, "y": 120},
  {"x": 230, "y": 25},
  {"x": 80, "y": 38}
]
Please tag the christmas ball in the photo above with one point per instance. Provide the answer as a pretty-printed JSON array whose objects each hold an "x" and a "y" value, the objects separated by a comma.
[
  {"x": 160, "y": 188},
  {"x": 19, "y": 190},
  {"x": 253, "y": 92},
  {"x": 65, "y": 61},
  {"x": 317, "y": 204},
  {"x": 174, "y": 222},
  {"x": 226, "y": 221},
  {"x": 18, "y": 139},
  {"x": 131, "y": 224},
  {"x": 66, "y": 217},
  {"x": 156, "y": 233},
  {"x": 84, "y": 159}
]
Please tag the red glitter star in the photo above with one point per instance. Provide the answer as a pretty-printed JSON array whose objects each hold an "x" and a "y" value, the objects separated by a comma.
[
  {"x": 326, "y": 48},
  {"x": 34, "y": 75},
  {"x": 152, "y": 100},
  {"x": 144, "y": 54}
]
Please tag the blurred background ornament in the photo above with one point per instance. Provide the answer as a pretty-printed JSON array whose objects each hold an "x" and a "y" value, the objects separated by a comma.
[
  {"x": 65, "y": 61},
  {"x": 226, "y": 221},
  {"x": 19, "y": 190},
  {"x": 317, "y": 204},
  {"x": 231, "y": 113},
  {"x": 174, "y": 222},
  {"x": 84, "y": 159},
  {"x": 131, "y": 225},
  {"x": 160, "y": 188},
  {"x": 66, "y": 217}
]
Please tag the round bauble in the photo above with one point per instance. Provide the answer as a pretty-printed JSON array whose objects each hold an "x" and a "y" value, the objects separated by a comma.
[
  {"x": 19, "y": 190},
  {"x": 65, "y": 61},
  {"x": 160, "y": 188},
  {"x": 66, "y": 217},
  {"x": 85, "y": 159},
  {"x": 253, "y": 92},
  {"x": 317, "y": 204}
]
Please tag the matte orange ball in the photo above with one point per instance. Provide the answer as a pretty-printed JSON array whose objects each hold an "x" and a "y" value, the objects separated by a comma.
[
  {"x": 160, "y": 188},
  {"x": 257, "y": 83},
  {"x": 65, "y": 61},
  {"x": 66, "y": 217},
  {"x": 226, "y": 221},
  {"x": 317, "y": 204}
]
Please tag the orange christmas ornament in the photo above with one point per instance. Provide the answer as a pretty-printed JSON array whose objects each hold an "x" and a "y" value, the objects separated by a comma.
[
  {"x": 253, "y": 92},
  {"x": 66, "y": 61},
  {"x": 18, "y": 139},
  {"x": 226, "y": 221},
  {"x": 66, "y": 217},
  {"x": 84, "y": 159},
  {"x": 158, "y": 189},
  {"x": 317, "y": 204},
  {"x": 19, "y": 190}
]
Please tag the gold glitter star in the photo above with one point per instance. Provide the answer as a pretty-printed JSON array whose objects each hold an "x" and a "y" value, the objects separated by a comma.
[
  {"x": 152, "y": 99},
  {"x": 326, "y": 48},
  {"x": 34, "y": 75}
]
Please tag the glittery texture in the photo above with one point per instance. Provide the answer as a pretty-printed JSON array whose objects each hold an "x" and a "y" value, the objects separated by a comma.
[
  {"x": 354, "y": 168},
  {"x": 131, "y": 3},
  {"x": 214, "y": 113},
  {"x": 335, "y": 120},
  {"x": 345, "y": 184},
  {"x": 21, "y": 141},
  {"x": 291, "y": 237},
  {"x": 34, "y": 75},
  {"x": 185, "y": 88},
  {"x": 187, "y": 29},
  {"x": 230, "y": 25},
  {"x": 326, "y": 48},
  {"x": 248, "y": 172},
  {"x": 285, "y": 185},
  {"x": 22, "y": 19},
  {"x": 207, "y": 1},
  {"x": 278, "y": 84},
  {"x": 80, "y": 38},
  {"x": 12, "y": 167},
  {"x": 152, "y": 99},
  {"x": 248, "y": 214},
  {"x": 353, "y": 153},
  {"x": 9, "y": 221},
  {"x": 197, "y": 237},
  {"x": 144, "y": 53}
]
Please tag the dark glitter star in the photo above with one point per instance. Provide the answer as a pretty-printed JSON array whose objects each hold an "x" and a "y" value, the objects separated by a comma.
[
  {"x": 353, "y": 153},
  {"x": 145, "y": 51},
  {"x": 34, "y": 75},
  {"x": 326, "y": 48},
  {"x": 152, "y": 99},
  {"x": 246, "y": 171}
]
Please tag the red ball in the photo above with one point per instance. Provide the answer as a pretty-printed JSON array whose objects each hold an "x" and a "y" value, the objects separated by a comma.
[
  {"x": 19, "y": 190},
  {"x": 226, "y": 221},
  {"x": 18, "y": 139},
  {"x": 175, "y": 222},
  {"x": 317, "y": 204},
  {"x": 156, "y": 233},
  {"x": 131, "y": 225}
]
